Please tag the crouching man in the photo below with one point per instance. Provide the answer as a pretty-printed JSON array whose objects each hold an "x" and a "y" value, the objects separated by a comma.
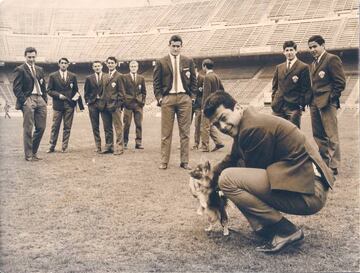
[{"x": 271, "y": 168}]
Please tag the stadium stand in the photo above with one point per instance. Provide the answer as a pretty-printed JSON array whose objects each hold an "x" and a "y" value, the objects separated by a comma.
[{"x": 225, "y": 30}]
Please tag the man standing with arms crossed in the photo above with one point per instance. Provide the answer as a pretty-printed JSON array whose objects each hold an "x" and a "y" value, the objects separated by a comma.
[
  {"x": 30, "y": 90},
  {"x": 175, "y": 89},
  {"x": 328, "y": 81}
]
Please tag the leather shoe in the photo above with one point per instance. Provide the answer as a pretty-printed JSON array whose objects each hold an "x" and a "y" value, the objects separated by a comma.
[
  {"x": 218, "y": 147},
  {"x": 125, "y": 146},
  {"x": 195, "y": 147},
  {"x": 51, "y": 150},
  {"x": 335, "y": 171},
  {"x": 185, "y": 166},
  {"x": 107, "y": 152},
  {"x": 36, "y": 158},
  {"x": 31, "y": 159},
  {"x": 98, "y": 151},
  {"x": 64, "y": 151},
  {"x": 139, "y": 146},
  {"x": 278, "y": 242},
  {"x": 163, "y": 166}
]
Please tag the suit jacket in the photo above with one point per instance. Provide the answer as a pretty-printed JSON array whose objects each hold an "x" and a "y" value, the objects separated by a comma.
[
  {"x": 212, "y": 83},
  {"x": 278, "y": 146},
  {"x": 58, "y": 86},
  {"x": 163, "y": 76},
  {"x": 113, "y": 95},
  {"x": 328, "y": 80},
  {"x": 134, "y": 91},
  {"x": 93, "y": 90},
  {"x": 23, "y": 84},
  {"x": 199, "y": 92},
  {"x": 289, "y": 87}
]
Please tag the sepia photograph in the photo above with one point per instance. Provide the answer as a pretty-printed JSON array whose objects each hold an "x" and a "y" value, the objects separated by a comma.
[{"x": 179, "y": 136}]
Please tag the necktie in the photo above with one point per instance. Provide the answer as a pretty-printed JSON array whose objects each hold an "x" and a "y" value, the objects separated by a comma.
[
  {"x": 37, "y": 85},
  {"x": 97, "y": 78},
  {"x": 288, "y": 66},
  {"x": 134, "y": 77},
  {"x": 176, "y": 74}
]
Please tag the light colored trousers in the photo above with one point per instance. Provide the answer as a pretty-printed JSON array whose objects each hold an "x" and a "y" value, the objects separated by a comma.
[
  {"x": 181, "y": 106},
  {"x": 249, "y": 189}
]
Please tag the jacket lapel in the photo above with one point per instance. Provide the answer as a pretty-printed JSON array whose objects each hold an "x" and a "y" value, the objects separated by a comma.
[
  {"x": 291, "y": 69},
  {"x": 27, "y": 69},
  {"x": 168, "y": 60},
  {"x": 317, "y": 66}
]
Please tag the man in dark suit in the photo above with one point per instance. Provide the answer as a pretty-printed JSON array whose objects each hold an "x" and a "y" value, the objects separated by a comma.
[
  {"x": 328, "y": 81},
  {"x": 135, "y": 96},
  {"x": 63, "y": 89},
  {"x": 196, "y": 109},
  {"x": 212, "y": 83},
  {"x": 272, "y": 168},
  {"x": 175, "y": 89},
  {"x": 291, "y": 83},
  {"x": 93, "y": 90},
  {"x": 112, "y": 101},
  {"x": 30, "y": 91}
]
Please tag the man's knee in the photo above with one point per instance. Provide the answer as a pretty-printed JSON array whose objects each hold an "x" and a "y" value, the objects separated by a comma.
[{"x": 226, "y": 179}]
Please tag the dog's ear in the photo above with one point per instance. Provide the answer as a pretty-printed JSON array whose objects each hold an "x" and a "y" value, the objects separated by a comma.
[{"x": 207, "y": 165}]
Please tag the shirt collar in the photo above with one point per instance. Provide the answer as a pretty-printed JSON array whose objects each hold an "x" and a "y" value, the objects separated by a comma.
[
  {"x": 112, "y": 73},
  {"x": 209, "y": 71},
  {"x": 318, "y": 59},
  {"x": 30, "y": 65},
  {"x": 293, "y": 60}
]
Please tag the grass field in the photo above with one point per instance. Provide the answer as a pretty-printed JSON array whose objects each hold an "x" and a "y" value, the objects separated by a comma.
[{"x": 84, "y": 212}]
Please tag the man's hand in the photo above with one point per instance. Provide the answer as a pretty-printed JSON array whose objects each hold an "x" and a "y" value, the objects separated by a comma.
[{"x": 62, "y": 97}]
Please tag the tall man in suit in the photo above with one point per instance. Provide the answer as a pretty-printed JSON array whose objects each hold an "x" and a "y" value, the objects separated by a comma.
[
  {"x": 135, "y": 96},
  {"x": 112, "y": 101},
  {"x": 291, "y": 82},
  {"x": 30, "y": 91},
  {"x": 328, "y": 81},
  {"x": 212, "y": 83},
  {"x": 196, "y": 109},
  {"x": 175, "y": 89},
  {"x": 272, "y": 168},
  {"x": 63, "y": 89},
  {"x": 93, "y": 90}
]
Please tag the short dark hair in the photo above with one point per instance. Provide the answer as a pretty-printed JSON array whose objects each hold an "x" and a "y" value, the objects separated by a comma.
[
  {"x": 317, "y": 38},
  {"x": 111, "y": 58},
  {"x": 289, "y": 44},
  {"x": 216, "y": 99},
  {"x": 175, "y": 38},
  {"x": 63, "y": 59},
  {"x": 209, "y": 64},
  {"x": 29, "y": 50}
]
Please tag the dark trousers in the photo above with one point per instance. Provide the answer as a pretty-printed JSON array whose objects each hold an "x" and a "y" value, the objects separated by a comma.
[
  {"x": 292, "y": 115},
  {"x": 325, "y": 132},
  {"x": 94, "y": 115},
  {"x": 179, "y": 105},
  {"x": 110, "y": 119},
  {"x": 34, "y": 114},
  {"x": 133, "y": 109},
  {"x": 197, "y": 124},
  {"x": 67, "y": 116}
]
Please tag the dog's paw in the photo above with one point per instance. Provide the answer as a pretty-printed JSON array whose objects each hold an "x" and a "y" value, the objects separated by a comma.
[{"x": 226, "y": 232}]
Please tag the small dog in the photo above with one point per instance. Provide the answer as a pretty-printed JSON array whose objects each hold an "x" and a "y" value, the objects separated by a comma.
[{"x": 212, "y": 201}]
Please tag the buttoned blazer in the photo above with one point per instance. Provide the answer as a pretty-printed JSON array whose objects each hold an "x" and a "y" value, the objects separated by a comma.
[
  {"x": 134, "y": 91},
  {"x": 92, "y": 89},
  {"x": 113, "y": 95},
  {"x": 328, "y": 80},
  {"x": 290, "y": 86}
]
